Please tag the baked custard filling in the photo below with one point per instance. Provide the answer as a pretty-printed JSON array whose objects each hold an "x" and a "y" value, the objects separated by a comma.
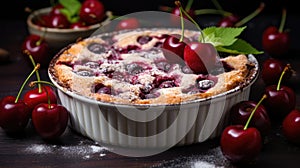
[{"x": 130, "y": 67}]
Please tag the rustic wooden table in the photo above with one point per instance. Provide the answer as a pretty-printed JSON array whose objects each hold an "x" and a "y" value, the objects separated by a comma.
[{"x": 74, "y": 150}]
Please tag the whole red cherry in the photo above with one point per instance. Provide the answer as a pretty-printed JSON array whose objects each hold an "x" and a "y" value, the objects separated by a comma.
[
  {"x": 276, "y": 41},
  {"x": 291, "y": 126},
  {"x": 272, "y": 68},
  {"x": 173, "y": 48},
  {"x": 280, "y": 101},
  {"x": 240, "y": 112},
  {"x": 92, "y": 11},
  {"x": 14, "y": 115},
  {"x": 200, "y": 57},
  {"x": 38, "y": 48},
  {"x": 38, "y": 95},
  {"x": 240, "y": 145},
  {"x": 59, "y": 21},
  {"x": 14, "y": 112},
  {"x": 50, "y": 120}
]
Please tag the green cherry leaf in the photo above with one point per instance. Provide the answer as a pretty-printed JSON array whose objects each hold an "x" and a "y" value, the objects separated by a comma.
[
  {"x": 239, "y": 47},
  {"x": 222, "y": 36},
  {"x": 71, "y": 9}
]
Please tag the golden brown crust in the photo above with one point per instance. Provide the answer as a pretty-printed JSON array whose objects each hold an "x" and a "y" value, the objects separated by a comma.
[{"x": 64, "y": 71}]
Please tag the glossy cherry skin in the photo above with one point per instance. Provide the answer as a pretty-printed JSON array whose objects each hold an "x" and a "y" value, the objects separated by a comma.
[
  {"x": 59, "y": 21},
  {"x": 38, "y": 48},
  {"x": 14, "y": 117},
  {"x": 43, "y": 20},
  {"x": 55, "y": 10},
  {"x": 78, "y": 25},
  {"x": 228, "y": 21},
  {"x": 239, "y": 145},
  {"x": 92, "y": 11},
  {"x": 240, "y": 112},
  {"x": 200, "y": 57},
  {"x": 33, "y": 97},
  {"x": 291, "y": 127},
  {"x": 50, "y": 120},
  {"x": 128, "y": 23},
  {"x": 274, "y": 42},
  {"x": 279, "y": 102},
  {"x": 173, "y": 48},
  {"x": 272, "y": 69}
]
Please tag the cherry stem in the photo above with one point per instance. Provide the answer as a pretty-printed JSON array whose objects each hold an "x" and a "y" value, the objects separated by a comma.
[
  {"x": 26, "y": 80},
  {"x": 287, "y": 67},
  {"x": 33, "y": 83},
  {"x": 251, "y": 15},
  {"x": 37, "y": 72},
  {"x": 283, "y": 19},
  {"x": 41, "y": 38},
  {"x": 190, "y": 18},
  {"x": 189, "y": 5},
  {"x": 217, "y": 4},
  {"x": 182, "y": 26},
  {"x": 253, "y": 111},
  {"x": 212, "y": 11}
]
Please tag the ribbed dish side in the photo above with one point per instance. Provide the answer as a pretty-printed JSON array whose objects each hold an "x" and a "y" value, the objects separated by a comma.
[{"x": 107, "y": 125}]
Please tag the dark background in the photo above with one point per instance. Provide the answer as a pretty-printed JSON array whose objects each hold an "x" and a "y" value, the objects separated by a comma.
[{"x": 14, "y": 9}]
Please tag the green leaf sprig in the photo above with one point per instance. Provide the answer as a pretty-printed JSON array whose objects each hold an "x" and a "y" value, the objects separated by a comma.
[
  {"x": 225, "y": 39},
  {"x": 71, "y": 9}
]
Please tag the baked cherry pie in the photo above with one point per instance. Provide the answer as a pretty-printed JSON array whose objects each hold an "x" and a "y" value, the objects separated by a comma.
[{"x": 130, "y": 67}]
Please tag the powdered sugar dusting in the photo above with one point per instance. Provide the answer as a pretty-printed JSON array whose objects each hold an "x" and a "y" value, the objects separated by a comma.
[
  {"x": 211, "y": 159},
  {"x": 85, "y": 151}
]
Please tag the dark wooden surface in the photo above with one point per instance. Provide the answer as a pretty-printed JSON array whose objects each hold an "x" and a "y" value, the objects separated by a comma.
[{"x": 74, "y": 150}]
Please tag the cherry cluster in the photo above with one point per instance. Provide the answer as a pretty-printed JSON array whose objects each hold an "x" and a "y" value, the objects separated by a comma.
[
  {"x": 199, "y": 56},
  {"x": 275, "y": 40},
  {"x": 38, "y": 105},
  {"x": 251, "y": 121},
  {"x": 90, "y": 12}
]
